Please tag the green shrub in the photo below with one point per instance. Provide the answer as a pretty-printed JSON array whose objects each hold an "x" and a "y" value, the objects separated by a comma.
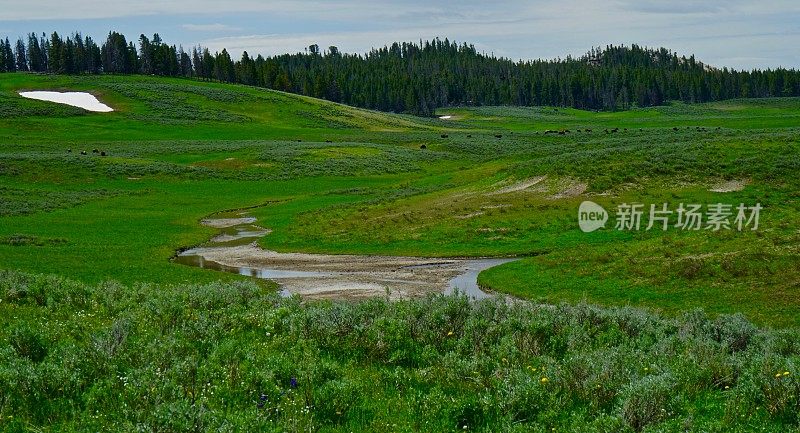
[
  {"x": 648, "y": 401},
  {"x": 28, "y": 342}
]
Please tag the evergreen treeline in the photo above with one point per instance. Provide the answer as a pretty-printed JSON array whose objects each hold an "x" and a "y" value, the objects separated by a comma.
[{"x": 416, "y": 78}]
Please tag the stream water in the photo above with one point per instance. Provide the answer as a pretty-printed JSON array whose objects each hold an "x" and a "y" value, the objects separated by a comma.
[{"x": 243, "y": 233}]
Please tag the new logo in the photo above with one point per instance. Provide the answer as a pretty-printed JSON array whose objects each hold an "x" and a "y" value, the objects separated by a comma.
[{"x": 591, "y": 216}]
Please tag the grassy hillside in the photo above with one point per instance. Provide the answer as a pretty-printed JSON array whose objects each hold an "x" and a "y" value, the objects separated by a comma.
[{"x": 330, "y": 178}]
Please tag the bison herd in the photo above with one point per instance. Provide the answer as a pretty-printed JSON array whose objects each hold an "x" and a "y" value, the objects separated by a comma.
[
  {"x": 95, "y": 151},
  {"x": 589, "y": 131}
]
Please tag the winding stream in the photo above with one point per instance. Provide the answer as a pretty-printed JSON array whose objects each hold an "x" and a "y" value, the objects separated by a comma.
[{"x": 234, "y": 249}]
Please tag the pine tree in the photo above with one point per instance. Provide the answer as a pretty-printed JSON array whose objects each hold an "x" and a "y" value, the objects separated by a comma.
[
  {"x": 21, "y": 56},
  {"x": 11, "y": 60},
  {"x": 55, "y": 62},
  {"x": 3, "y": 62}
]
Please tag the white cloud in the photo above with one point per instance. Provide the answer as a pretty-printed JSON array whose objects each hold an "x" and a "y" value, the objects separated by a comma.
[
  {"x": 216, "y": 27},
  {"x": 14, "y": 10}
]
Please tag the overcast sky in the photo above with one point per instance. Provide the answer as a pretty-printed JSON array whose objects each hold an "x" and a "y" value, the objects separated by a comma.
[{"x": 734, "y": 33}]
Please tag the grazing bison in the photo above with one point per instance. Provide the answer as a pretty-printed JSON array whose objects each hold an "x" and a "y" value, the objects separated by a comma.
[
  {"x": 329, "y": 141},
  {"x": 83, "y": 152},
  {"x": 498, "y": 135},
  {"x": 423, "y": 146},
  {"x": 445, "y": 135},
  {"x": 103, "y": 153},
  {"x": 675, "y": 128},
  {"x": 69, "y": 150},
  {"x": 469, "y": 135}
]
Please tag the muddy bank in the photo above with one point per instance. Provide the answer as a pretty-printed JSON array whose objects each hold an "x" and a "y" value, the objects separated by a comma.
[{"x": 328, "y": 276}]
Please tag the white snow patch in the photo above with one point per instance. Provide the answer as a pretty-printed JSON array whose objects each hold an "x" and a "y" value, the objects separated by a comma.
[{"x": 84, "y": 100}]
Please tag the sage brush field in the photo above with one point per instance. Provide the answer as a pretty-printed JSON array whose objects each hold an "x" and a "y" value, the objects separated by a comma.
[{"x": 236, "y": 357}]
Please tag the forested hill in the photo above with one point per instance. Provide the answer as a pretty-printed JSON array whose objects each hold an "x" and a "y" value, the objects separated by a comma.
[{"x": 417, "y": 78}]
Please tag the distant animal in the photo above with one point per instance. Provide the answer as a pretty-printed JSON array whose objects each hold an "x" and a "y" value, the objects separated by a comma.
[
  {"x": 562, "y": 132},
  {"x": 615, "y": 130},
  {"x": 95, "y": 151},
  {"x": 328, "y": 141},
  {"x": 423, "y": 147},
  {"x": 83, "y": 152},
  {"x": 578, "y": 130},
  {"x": 675, "y": 128},
  {"x": 588, "y": 130},
  {"x": 103, "y": 153},
  {"x": 69, "y": 150},
  {"x": 625, "y": 129},
  {"x": 445, "y": 135},
  {"x": 606, "y": 131},
  {"x": 550, "y": 131},
  {"x": 469, "y": 135},
  {"x": 498, "y": 135},
  {"x": 299, "y": 140}
]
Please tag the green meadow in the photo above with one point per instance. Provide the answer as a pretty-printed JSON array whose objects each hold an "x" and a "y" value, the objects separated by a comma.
[
  {"x": 336, "y": 179},
  {"x": 642, "y": 330}
]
